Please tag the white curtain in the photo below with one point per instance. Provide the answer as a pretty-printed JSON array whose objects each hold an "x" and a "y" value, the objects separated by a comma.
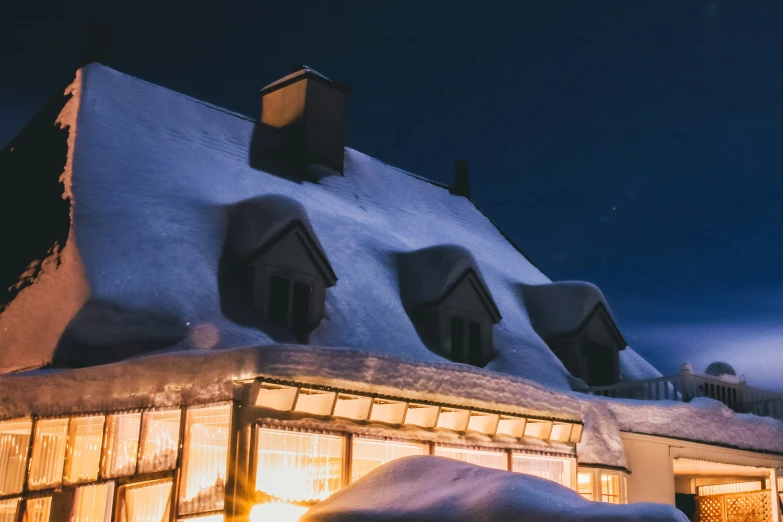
[
  {"x": 46, "y": 468},
  {"x": 205, "y": 459},
  {"x": 554, "y": 469},
  {"x": 159, "y": 440},
  {"x": 93, "y": 503},
  {"x": 488, "y": 459},
  {"x": 369, "y": 454},
  {"x": 84, "y": 449},
  {"x": 298, "y": 468},
  {"x": 38, "y": 509},
  {"x": 146, "y": 502},
  {"x": 14, "y": 444},
  {"x": 122, "y": 444},
  {"x": 9, "y": 509}
]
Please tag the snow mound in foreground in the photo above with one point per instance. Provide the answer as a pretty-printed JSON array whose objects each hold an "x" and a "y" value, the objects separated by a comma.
[{"x": 433, "y": 489}]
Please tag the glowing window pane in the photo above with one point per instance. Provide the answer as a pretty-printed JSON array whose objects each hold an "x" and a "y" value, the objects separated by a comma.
[
  {"x": 14, "y": 445},
  {"x": 277, "y": 512},
  {"x": 296, "y": 469},
  {"x": 122, "y": 445},
  {"x": 145, "y": 502},
  {"x": 85, "y": 435},
  {"x": 557, "y": 470},
  {"x": 9, "y": 509},
  {"x": 205, "y": 459},
  {"x": 38, "y": 509},
  {"x": 205, "y": 518},
  {"x": 584, "y": 483},
  {"x": 93, "y": 503},
  {"x": 610, "y": 489},
  {"x": 46, "y": 466},
  {"x": 159, "y": 440},
  {"x": 488, "y": 459},
  {"x": 369, "y": 454}
]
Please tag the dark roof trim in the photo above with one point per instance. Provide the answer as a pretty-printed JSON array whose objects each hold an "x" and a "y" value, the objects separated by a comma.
[
  {"x": 484, "y": 295},
  {"x": 601, "y": 310},
  {"x": 604, "y": 466},
  {"x": 314, "y": 251},
  {"x": 305, "y": 74}
]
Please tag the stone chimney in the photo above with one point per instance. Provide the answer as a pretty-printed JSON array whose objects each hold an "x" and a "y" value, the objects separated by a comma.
[
  {"x": 461, "y": 185},
  {"x": 310, "y": 110}
]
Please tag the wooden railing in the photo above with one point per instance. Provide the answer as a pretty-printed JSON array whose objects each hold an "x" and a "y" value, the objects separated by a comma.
[{"x": 687, "y": 385}]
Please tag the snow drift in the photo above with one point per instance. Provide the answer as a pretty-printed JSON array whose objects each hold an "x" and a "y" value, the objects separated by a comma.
[{"x": 403, "y": 490}]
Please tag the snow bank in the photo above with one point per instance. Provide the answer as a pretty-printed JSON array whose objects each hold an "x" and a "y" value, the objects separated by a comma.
[{"x": 424, "y": 489}]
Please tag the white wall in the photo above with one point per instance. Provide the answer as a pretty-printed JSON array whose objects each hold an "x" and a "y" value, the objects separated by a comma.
[{"x": 652, "y": 474}]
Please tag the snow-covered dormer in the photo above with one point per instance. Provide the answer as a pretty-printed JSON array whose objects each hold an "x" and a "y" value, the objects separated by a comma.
[
  {"x": 449, "y": 303},
  {"x": 309, "y": 109},
  {"x": 276, "y": 261}
]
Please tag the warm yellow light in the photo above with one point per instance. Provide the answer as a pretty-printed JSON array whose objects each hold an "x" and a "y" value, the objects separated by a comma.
[
  {"x": 276, "y": 512},
  {"x": 584, "y": 478}
]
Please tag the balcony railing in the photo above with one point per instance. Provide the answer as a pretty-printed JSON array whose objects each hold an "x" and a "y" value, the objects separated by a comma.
[{"x": 686, "y": 385}]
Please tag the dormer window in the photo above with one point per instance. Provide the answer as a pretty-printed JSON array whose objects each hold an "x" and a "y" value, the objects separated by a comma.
[
  {"x": 289, "y": 305},
  {"x": 449, "y": 303}
]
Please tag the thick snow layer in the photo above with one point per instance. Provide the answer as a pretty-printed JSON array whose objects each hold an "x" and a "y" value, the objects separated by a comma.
[
  {"x": 601, "y": 443},
  {"x": 402, "y": 491},
  {"x": 560, "y": 308},
  {"x": 634, "y": 368}
]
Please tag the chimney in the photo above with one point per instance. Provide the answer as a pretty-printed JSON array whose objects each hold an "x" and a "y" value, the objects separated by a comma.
[
  {"x": 461, "y": 184},
  {"x": 310, "y": 110},
  {"x": 96, "y": 45}
]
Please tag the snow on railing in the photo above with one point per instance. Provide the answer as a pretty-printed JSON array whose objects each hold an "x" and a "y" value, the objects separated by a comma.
[{"x": 687, "y": 385}]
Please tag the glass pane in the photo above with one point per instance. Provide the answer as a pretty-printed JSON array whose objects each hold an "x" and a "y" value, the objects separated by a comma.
[
  {"x": 9, "y": 509},
  {"x": 93, "y": 503},
  {"x": 14, "y": 445},
  {"x": 369, "y": 454},
  {"x": 205, "y": 518},
  {"x": 122, "y": 445},
  {"x": 457, "y": 340},
  {"x": 38, "y": 509},
  {"x": 584, "y": 484},
  {"x": 85, "y": 436},
  {"x": 159, "y": 440},
  {"x": 46, "y": 468},
  {"x": 474, "y": 340},
  {"x": 277, "y": 308},
  {"x": 300, "y": 309},
  {"x": 610, "y": 489},
  {"x": 205, "y": 459},
  {"x": 295, "y": 471},
  {"x": 488, "y": 459},
  {"x": 145, "y": 502},
  {"x": 557, "y": 470}
]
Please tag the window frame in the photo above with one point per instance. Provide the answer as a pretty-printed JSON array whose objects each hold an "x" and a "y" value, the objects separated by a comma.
[
  {"x": 293, "y": 277},
  {"x": 596, "y": 474},
  {"x": 467, "y": 318}
]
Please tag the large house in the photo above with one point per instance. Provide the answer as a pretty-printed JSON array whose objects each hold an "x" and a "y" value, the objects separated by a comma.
[{"x": 232, "y": 317}]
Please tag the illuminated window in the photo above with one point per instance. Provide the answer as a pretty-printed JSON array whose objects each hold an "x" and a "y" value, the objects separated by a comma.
[
  {"x": 93, "y": 503},
  {"x": 122, "y": 445},
  {"x": 205, "y": 459},
  {"x": 369, "y": 454},
  {"x": 85, "y": 435},
  {"x": 557, "y": 470},
  {"x": 159, "y": 440},
  {"x": 584, "y": 482},
  {"x": 37, "y": 509},
  {"x": 9, "y": 509},
  {"x": 14, "y": 445},
  {"x": 207, "y": 518},
  {"x": 610, "y": 489},
  {"x": 144, "y": 502},
  {"x": 294, "y": 471},
  {"x": 46, "y": 466},
  {"x": 488, "y": 459}
]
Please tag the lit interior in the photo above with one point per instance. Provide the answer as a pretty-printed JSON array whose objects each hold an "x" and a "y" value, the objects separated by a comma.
[
  {"x": 9, "y": 509},
  {"x": 85, "y": 436},
  {"x": 295, "y": 470},
  {"x": 483, "y": 422},
  {"x": 610, "y": 489},
  {"x": 456, "y": 420},
  {"x": 159, "y": 440},
  {"x": 277, "y": 512},
  {"x": 369, "y": 454},
  {"x": 38, "y": 509},
  {"x": 145, "y": 502},
  {"x": 46, "y": 466},
  {"x": 561, "y": 432},
  {"x": 204, "y": 518},
  {"x": 554, "y": 469},
  {"x": 14, "y": 444},
  {"x": 352, "y": 407},
  {"x": 93, "y": 503},
  {"x": 316, "y": 402},
  {"x": 205, "y": 459},
  {"x": 538, "y": 429},
  {"x": 511, "y": 426},
  {"x": 584, "y": 483},
  {"x": 736, "y": 487},
  {"x": 276, "y": 397},
  {"x": 122, "y": 444},
  {"x": 390, "y": 412},
  {"x": 421, "y": 415},
  {"x": 487, "y": 459},
  {"x": 576, "y": 433}
]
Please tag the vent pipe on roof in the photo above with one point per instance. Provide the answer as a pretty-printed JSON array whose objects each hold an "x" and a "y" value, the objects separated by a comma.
[{"x": 461, "y": 184}]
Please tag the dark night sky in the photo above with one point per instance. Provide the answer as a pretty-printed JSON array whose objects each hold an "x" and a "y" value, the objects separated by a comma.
[{"x": 633, "y": 144}]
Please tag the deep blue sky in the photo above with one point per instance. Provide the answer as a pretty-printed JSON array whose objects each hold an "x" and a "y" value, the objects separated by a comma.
[{"x": 635, "y": 144}]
